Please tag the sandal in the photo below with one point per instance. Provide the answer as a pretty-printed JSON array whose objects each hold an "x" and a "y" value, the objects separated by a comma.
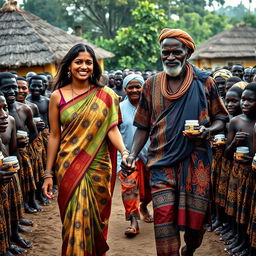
[
  {"x": 132, "y": 231},
  {"x": 147, "y": 217}
]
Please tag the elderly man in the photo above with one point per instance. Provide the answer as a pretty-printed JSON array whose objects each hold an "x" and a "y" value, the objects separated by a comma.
[{"x": 179, "y": 165}]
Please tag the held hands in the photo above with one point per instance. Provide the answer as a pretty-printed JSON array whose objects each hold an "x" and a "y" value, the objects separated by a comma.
[
  {"x": 22, "y": 142},
  {"x": 128, "y": 163},
  {"x": 47, "y": 188}
]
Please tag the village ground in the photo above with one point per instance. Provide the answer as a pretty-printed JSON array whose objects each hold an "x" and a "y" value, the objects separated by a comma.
[{"x": 46, "y": 235}]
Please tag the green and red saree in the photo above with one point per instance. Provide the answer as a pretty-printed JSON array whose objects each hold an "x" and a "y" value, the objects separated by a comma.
[{"x": 84, "y": 171}]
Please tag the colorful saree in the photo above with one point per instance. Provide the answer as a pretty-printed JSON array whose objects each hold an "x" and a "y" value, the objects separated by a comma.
[{"x": 84, "y": 171}]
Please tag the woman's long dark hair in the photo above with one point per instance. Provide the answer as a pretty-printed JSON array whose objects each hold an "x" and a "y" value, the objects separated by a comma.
[{"x": 62, "y": 78}]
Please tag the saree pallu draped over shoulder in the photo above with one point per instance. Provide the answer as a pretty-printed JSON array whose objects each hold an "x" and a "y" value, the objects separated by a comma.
[{"x": 84, "y": 171}]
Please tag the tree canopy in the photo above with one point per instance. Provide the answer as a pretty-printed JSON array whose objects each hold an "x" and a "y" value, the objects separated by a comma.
[{"x": 129, "y": 28}]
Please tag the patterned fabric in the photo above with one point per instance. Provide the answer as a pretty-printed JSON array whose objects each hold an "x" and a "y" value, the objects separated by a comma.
[
  {"x": 6, "y": 207},
  {"x": 84, "y": 170},
  {"x": 236, "y": 189},
  {"x": 15, "y": 199},
  {"x": 39, "y": 151},
  {"x": 127, "y": 130},
  {"x": 251, "y": 231},
  {"x": 180, "y": 170},
  {"x": 135, "y": 188},
  {"x": 222, "y": 190},
  {"x": 165, "y": 119},
  {"x": 4, "y": 243},
  {"x": 178, "y": 34},
  {"x": 216, "y": 171},
  {"x": 244, "y": 194},
  {"x": 42, "y": 141},
  {"x": 180, "y": 199},
  {"x": 45, "y": 137},
  {"x": 26, "y": 174}
]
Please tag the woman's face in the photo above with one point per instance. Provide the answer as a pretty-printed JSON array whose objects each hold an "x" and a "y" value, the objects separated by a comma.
[{"x": 81, "y": 67}]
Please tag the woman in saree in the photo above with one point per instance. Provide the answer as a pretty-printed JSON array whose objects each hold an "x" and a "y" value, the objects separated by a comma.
[{"x": 84, "y": 117}]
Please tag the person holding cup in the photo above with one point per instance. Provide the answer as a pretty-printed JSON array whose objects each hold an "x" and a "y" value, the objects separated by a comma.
[
  {"x": 9, "y": 172},
  {"x": 240, "y": 145}
]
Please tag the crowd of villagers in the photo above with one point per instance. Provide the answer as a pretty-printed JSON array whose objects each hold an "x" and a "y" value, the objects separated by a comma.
[{"x": 24, "y": 108}]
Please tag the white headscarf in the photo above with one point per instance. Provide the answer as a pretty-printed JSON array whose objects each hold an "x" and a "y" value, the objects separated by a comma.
[{"x": 131, "y": 77}]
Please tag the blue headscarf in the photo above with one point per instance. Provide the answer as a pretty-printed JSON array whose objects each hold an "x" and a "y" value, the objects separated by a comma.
[{"x": 131, "y": 77}]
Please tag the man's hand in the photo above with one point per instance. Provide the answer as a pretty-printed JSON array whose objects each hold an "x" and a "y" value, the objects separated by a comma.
[
  {"x": 245, "y": 159},
  {"x": 5, "y": 176},
  {"x": 204, "y": 133},
  {"x": 21, "y": 142},
  {"x": 241, "y": 136},
  {"x": 40, "y": 125},
  {"x": 128, "y": 164}
]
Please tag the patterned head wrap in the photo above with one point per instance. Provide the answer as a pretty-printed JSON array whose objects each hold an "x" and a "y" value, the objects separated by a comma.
[
  {"x": 222, "y": 73},
  {"x": 178, "y": 34},
  {"x": 131, "y": 77}
]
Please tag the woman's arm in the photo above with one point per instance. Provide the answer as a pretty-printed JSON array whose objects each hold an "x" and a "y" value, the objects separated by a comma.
[
  {"x": 116, "y": 139},
  {"x": 53, "y": 142}
]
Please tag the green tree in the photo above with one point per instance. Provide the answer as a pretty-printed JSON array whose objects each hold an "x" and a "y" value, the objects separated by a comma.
[
  {"x": 181, "y": 7},
  {"x": 194, "y": 24},
  {"x": 136, "y": 46},
  {"x": 234, "y": 11},
  {"x": 2, "y": 2},
  {"x": 51, "y": 11},
  {"x": 104, "y": 16},
  {"x": 250, "y": 20},
  {"x": 216, "y": 23}
]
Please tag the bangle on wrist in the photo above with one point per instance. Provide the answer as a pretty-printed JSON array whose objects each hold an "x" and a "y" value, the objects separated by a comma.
[
  {"x": 47, "y": 174},
  {"x": 125, "y": 152}
]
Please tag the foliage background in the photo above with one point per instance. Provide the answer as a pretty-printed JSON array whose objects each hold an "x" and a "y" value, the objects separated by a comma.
[{"x": 129, "y": 28}]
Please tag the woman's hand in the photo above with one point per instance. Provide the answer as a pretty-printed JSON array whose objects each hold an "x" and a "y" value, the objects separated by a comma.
[{"x": 47, "y": 188}]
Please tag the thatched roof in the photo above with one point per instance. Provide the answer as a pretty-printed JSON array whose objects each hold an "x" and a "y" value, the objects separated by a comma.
[
  {"x": 236, "y": 42},
  {"x": 26, "y": 40}
]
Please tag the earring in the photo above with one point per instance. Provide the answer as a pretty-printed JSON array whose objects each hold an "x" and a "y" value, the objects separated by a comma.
[{"x": 69, "y": 74}]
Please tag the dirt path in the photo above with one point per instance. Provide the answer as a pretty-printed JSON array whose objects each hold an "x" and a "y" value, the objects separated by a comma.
[{"x": 46, "y": 235}]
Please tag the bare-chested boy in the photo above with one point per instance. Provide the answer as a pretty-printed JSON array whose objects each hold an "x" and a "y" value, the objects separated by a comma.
[
  {"x": 12, "y": 203},
  {"x": 36, "y": 87},
  {"x": 38, "y": 151},
  {"x": 24, "y": 121},
  {"x": 240, "y": 134}
]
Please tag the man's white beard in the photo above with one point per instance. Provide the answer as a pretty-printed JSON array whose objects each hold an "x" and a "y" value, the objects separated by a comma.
[{"x": 173, "y": 71}]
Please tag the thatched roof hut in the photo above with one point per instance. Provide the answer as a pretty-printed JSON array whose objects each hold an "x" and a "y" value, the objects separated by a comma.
[
  {"x": 235, "y": 45},
  {"x": 28, "y": 43}
]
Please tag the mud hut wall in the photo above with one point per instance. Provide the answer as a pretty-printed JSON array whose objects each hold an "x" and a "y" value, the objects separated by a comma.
[{"x": 214, "y": 63}]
